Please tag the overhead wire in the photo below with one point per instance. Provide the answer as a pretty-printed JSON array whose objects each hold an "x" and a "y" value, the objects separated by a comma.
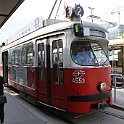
[{"x": 110, "y": 11}]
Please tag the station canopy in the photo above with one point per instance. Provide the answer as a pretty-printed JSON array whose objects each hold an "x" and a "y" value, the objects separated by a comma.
[{"x": 7, "y": 8}]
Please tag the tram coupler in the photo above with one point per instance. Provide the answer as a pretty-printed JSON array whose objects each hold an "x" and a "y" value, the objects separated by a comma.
[{"x": 102, "y": 106}]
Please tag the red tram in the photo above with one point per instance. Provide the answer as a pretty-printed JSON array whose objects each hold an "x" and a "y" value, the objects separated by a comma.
[{"x": 43, "y": 62}]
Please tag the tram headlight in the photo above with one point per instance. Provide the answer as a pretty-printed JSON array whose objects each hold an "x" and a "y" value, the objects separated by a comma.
[{"x": 102, "y": 86}]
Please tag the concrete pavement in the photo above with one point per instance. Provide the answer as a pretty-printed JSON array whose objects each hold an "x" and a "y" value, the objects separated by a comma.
[
  {"x": 118, "y": 98},
  {"x": 18, "y": 111}
]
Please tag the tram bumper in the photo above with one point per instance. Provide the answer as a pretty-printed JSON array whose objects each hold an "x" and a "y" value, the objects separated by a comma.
[{"x": 84, "y": 104}]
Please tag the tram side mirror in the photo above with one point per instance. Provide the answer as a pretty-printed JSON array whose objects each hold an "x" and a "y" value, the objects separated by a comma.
[{"x": 78, "y": 30}]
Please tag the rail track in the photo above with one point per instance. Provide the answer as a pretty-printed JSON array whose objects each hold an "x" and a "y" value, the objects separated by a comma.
[{"x": 112, "y": 114}]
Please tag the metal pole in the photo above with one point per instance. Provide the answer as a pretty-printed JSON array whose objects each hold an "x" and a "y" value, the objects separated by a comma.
[
  {"x": 112, "y": 59},
  {"x": 114, "y": 81},
  {"x": 118, "y": 12},
  {"x": 122, "y": 63},
  {"x": 91, "y": 11}
]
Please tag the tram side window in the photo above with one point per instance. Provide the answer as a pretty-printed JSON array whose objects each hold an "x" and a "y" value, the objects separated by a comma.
[
  {"x": 15, "y": 56},
  {"x": 11, "y": 57},
  {"x": 27, "y": 54},
  {"x": 41, "y": 59},
  {"x": 18, "y": 56},
  {"x": 57, "y": 51}
]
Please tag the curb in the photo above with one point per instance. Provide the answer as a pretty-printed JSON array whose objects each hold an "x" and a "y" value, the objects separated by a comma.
[{"x": 116, "y": 106}]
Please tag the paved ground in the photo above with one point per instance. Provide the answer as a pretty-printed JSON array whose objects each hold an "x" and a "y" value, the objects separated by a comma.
[
  {"x": 118, "y": 98},
  {"x": 18, "y": 111}
]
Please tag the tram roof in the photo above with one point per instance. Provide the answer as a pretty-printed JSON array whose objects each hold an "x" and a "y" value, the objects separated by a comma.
[
  {"x": 7, "y": 8},
  {"x": 48, "y": 27}
]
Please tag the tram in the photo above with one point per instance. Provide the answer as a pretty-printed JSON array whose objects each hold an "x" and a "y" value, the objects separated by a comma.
[
  {"x": 42, "y": 61},
  {"x": 116, "y": 52}
]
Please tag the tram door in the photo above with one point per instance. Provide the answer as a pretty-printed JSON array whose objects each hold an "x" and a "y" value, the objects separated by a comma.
[
  {"x": 57, "y": 81},
  {"x": 5, "y": 66},
  {"x": 51, "y": 88},
  {"x": 42, "y": 71}
]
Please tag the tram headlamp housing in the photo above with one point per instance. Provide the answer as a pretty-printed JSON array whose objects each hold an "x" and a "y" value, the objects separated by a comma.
[{"x": 102, "y": 86}]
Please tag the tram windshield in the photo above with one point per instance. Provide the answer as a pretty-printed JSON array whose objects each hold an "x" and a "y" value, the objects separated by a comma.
[{"x": 87, "y": 53}]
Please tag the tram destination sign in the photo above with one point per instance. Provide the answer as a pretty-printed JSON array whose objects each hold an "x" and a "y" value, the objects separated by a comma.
[{"x": 98, "y": 33}]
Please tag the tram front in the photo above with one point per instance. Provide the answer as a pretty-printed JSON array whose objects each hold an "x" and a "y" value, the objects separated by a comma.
[{"x": 89, "y": 86}]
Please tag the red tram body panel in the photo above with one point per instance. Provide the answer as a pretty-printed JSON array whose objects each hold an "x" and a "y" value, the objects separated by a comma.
[
  {"x": 85, "y": 96},
  {"x": 61, "y": 64}
]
